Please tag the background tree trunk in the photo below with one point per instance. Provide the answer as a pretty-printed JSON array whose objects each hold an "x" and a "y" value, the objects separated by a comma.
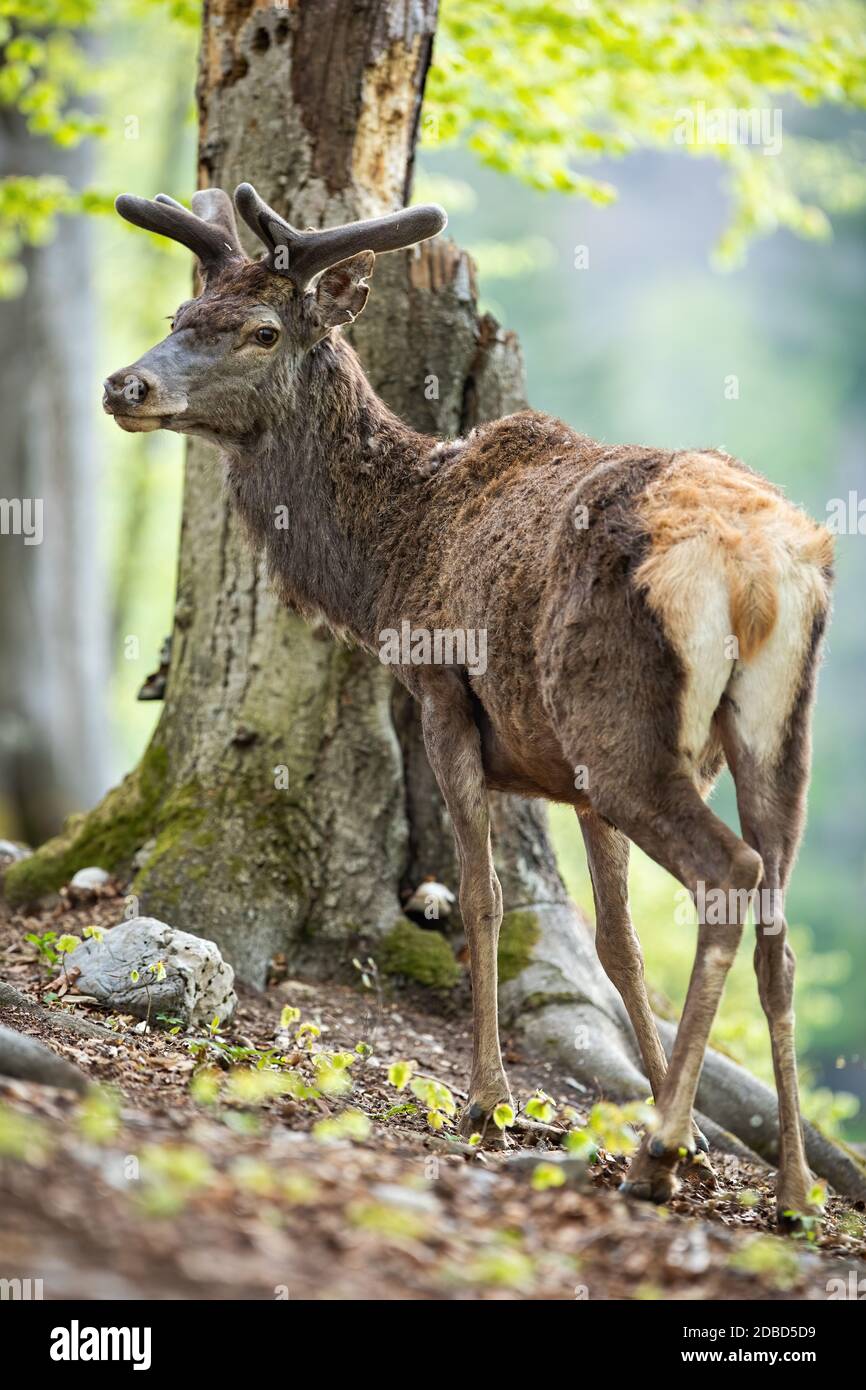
[
  {"x": 53, "y": 621},
  {"x": 315, "y": 869}
]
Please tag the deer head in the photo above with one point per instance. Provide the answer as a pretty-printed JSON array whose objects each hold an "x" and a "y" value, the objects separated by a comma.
[{"x": 237, "y": 347}]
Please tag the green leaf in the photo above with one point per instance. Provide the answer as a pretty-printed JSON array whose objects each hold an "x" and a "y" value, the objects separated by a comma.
[
  {"x": 541, "y": 1107},
  {"x": 351, "y": 1124},
  {"x": 433, "y": 1094},
  {"x": 547, "y": 1175},
  {"x": 400, "y": 1074},
  {"x": 307, "y": 1033}
]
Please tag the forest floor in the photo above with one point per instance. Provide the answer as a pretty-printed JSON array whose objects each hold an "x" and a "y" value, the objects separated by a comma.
[{"x": 188, "y": 1172}]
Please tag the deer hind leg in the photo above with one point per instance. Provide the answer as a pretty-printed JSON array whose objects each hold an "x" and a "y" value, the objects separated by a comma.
[
  {"x": 618, "y": 947},
  {"x": 454, "y": 750},
  {"x": 770, "y": 760},
  {"x": 671, "y": 823}
]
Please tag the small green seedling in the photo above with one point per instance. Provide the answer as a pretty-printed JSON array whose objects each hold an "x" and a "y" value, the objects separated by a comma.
[
  {"x": 45, "y": 946},
  {"x": 307, "y": 1034},
  {"x": 64, "y": 946}
]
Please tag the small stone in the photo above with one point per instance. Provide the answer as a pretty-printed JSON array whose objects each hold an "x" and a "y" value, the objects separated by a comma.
[
  {"x": 430, "y": 903},
  {"x": 142, "y": 855},
  {"x": 9, "y": 849},
  {"x": 414, "y": 1198},
  {"x": 92, "y": 877},
  {"x": 122, "y": 972},
  {"x": 689, "y": 1252},
  {"x": 481, "y": 1178}
]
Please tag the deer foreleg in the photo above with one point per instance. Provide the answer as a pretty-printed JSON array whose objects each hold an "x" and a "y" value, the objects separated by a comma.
[{"x": 454, "y": 750}]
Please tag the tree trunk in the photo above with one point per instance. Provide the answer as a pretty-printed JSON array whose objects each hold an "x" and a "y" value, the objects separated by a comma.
[
  {"x": 285, "y": 803},
  {"x": 53, "y": 624}
]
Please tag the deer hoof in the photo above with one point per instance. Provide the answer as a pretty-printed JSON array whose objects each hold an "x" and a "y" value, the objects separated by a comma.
[
  {"x": 658, "y": 1187},
  {"x": 652, "y": 1175},
  {"x": 478, "y": 1119},
  {"x": 671, "y": 1154},
  {"x": 805, "y": 1221},
  {"x": 699, "y": 1170}
]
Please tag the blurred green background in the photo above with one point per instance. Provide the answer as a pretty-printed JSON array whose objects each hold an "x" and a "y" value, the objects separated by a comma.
[{"x": 638, "y": 344}]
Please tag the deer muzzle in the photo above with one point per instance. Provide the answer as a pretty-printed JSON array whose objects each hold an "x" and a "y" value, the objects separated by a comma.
[{"x": 138, "y": 401}]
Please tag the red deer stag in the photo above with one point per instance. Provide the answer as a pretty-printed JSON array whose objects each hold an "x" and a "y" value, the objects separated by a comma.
[{"x": 647, "y": 616}]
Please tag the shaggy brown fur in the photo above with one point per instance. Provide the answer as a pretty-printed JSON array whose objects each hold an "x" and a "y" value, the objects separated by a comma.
[{"x": 647, "y": 614}]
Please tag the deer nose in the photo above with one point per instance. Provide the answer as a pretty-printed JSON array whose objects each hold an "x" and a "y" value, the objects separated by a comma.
[{"x": 124, "y": 391}]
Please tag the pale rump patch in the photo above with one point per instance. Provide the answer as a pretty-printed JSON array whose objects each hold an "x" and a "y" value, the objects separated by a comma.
[
  {"x": 764, "y": 689},
  {"x": 730, "y": 558},
  {"x": 690, "y": 594}
]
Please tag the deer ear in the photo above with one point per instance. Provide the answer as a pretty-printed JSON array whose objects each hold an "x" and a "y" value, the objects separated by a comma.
[{"x": 341, "y": 292}]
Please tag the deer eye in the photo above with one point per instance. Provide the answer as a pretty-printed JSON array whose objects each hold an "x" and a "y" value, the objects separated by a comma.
[{"x": 266, "y": 335}]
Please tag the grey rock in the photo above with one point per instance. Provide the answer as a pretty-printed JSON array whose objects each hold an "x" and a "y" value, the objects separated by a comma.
[
  {"x": 198, "y": 984},
  {"x": 10, "y": 850},
  {"x": 141, "y": 856},
  {"x": 689, "y": 1252},
  {"x": 93, "y": 877},
  {"x": 413, "y": 1198},
  {"x": 29, "y": 1060},
  {"x": 430, "y": 903}
]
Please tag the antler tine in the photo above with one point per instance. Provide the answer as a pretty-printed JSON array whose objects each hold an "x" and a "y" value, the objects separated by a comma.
[
  {"x": 214, "y": 206},
  {"x": 306, "y": 253},
  {"x": 210, "y": 241},
  {"x": 268, "y": 226},
  {"x": 318, "y": 250}
]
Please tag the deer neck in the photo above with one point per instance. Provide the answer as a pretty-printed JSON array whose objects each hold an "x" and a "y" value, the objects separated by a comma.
[{"x": 327, "y": 489}]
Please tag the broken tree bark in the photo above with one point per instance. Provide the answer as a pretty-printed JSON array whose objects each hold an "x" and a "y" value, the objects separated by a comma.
[{"x": 285, "y": 800}]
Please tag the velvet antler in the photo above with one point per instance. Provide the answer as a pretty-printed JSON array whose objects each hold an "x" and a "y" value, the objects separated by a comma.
[
  {"x": 209, "y": 231},
  {"x": 301, "y": 255}
]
